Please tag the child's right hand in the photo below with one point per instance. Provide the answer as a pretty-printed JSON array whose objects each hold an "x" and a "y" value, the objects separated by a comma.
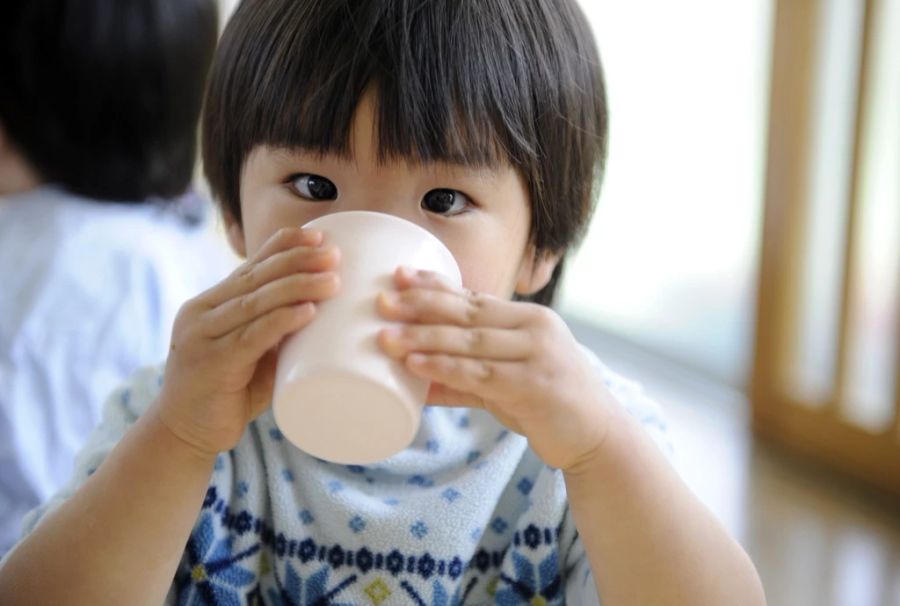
[{"x": 221, "y": 368}]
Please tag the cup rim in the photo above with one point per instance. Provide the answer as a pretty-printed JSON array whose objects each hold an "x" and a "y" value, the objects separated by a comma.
[{"x": 387, "y": 218}]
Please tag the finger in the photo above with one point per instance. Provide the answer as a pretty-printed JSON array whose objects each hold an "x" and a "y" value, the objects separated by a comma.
[
  {"x": 441, "y": 395},
  {"x": 461, "y": 308},
  {"x": 285, "y": 239},
  {"x": 250, "y": 278},
  {"x": 288, "y": 251},
  {"x": 478, "y": 342},
  {"x": 487, "y": 379},
  {"x": 263, "y": 383},
  {"x": 408, "y": 277},
  {"x": 249, "y": 342},
  {"x": 290, "y": 290}
]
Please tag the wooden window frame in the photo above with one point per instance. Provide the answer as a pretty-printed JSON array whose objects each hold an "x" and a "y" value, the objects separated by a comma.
[{"x": 820, "y": 432}]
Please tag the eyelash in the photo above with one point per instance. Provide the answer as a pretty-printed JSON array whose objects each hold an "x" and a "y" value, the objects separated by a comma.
[
  {"x": 290, "y": 183},
  {"x": 468, "y": 201}
]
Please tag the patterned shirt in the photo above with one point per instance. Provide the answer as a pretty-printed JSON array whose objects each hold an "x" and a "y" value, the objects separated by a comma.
[{"x": 468, "y": 514}]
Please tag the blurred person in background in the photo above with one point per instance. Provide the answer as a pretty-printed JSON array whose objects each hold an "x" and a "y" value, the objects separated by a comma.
[{"x": 101, "y": 235}]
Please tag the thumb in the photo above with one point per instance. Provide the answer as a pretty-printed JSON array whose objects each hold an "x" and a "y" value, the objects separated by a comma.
[
  {"x": 441, "y": 395},
  {"x": 263, "y": 383}
]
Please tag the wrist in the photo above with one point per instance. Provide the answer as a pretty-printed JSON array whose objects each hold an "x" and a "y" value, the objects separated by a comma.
[
  {"x": 173, "y": 436},
  {"x": 618, "y": 441},
  {"x": 594, "y": 426}
]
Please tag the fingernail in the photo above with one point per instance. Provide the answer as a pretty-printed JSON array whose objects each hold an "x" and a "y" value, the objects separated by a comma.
[
  {"x": 416, "y": 359},
  {"x": 393, "y": 338},
  {"x": 394, "y": 306},
  {"x": 392, "y": 342}
]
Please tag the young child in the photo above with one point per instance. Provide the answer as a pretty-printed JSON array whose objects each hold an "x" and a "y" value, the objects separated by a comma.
[
  {"x": 100, "y": 237},
  {"x": 531, "y": 481}
]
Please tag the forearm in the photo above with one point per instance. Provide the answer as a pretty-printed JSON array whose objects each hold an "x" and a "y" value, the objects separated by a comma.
[
  {"x": 122, "y": 534},
  {"x": 649, "y": 540}
]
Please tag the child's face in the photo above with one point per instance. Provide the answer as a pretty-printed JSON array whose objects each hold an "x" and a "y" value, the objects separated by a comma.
[{"x": 482, "y": 215}]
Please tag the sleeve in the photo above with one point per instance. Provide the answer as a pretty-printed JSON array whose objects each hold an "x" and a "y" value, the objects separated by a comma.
[
  {"x": 631, "y": 395},
  {"x": 580, "y": 587},
  {"x": 122, "y": 408}
]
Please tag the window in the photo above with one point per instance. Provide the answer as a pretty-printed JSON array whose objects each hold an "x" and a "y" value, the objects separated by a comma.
[{"x": 670, "y": 259}]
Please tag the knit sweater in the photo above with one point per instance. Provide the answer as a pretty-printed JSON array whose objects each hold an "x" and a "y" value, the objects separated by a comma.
[{"x": 468, "y": 514}]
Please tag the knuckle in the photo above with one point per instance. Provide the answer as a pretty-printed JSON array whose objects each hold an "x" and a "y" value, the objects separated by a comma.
[
  {"x": 474, "y": 305},
  {"x": 544, "y": 378},
  {"x": 242, "y": 269},
  {"x": 245, "y": 274},
  {"x": 456, "y": 366},
  {"x": 184, "y": 314},
  {"x": 544, "y": 317},
  {"x": 248, "y": 303},
  {"x": 434, "y": 279},
  {"x": 245, "y": 336},
  {"x": 178, "y": 342},
  {"x": 186, "y": 318},
  {"x": 485, "y": 372},
  {"x": 475, "y": 340}
]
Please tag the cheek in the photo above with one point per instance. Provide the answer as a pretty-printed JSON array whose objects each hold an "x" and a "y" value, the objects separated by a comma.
[
  {"x": 490, "y": 263},
  {"x": 489, "y": 275},
  {"x": 263, "y": 219},
  {"x": 254, "y": 235},
  {"x": 258, "y": 230}
]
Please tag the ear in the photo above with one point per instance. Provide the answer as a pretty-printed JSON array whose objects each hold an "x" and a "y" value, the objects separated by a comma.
[
  {"x": 535, "y": 271},
  {"x": 235, "y": 233}
]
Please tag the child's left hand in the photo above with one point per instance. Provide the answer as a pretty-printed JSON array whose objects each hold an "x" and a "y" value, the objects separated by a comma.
[{"x": 517, "y": 360}]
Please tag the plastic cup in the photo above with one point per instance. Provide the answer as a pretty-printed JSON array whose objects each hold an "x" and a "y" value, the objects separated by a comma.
[{"x": 337, "y": 395}]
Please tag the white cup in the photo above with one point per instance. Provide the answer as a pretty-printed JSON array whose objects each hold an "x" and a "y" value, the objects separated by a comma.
[{"x": 337, "y": 395}]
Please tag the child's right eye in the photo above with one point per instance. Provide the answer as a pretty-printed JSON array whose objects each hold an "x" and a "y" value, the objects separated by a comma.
[{"x": 312, "y": 187}]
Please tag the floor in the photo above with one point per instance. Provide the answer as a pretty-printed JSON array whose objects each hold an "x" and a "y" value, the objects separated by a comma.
[{"x": 816, "y": 539}]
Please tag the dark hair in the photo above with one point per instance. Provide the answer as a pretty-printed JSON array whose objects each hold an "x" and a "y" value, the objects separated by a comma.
[
  {"x": 102, "y": 97},
  {"x": 471, "y": 81}
]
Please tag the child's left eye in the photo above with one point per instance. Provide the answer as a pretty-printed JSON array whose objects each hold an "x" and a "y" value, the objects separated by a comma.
[{"x": 445, "y": 202}]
